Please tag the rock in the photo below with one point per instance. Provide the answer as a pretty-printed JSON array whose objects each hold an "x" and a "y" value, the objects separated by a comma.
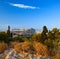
[
  {"x": 2, "y": 56},
  {"x": 12, "y": 54}
]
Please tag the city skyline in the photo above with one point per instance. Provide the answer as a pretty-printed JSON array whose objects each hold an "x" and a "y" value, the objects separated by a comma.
[{"x": 29, "y": 14}]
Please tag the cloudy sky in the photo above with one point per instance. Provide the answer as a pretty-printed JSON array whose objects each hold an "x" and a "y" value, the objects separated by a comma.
[{"x": 29, "y": 13}]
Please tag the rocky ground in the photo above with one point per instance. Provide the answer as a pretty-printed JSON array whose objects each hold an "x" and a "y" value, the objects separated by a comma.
[{"x": 12, "y": 54}]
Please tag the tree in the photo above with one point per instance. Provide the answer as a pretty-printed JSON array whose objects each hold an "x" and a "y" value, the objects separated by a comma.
[
  {"x": 44, "y": 34},
  {"x": 36, "y": 37},
  {"x": 3, "y": 37},
  {"x": 49, "y": 43},
  {"x": 45, "y": 30},
  {"x": 51, "y": 35},
  {"x": 43, "y": 37},
  {"x": 56, "y": 32},
  {"x": 8, "y": 31},
  {"x": 19, "y": 39}
]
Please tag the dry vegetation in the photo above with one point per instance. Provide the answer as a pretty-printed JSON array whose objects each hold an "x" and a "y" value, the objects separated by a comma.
[
  {"x": 39, "y": 48},
  {"x": 20, "y": 47},
  {"x": 3, "y": 46},
  {"x": 45, "y": 43}
]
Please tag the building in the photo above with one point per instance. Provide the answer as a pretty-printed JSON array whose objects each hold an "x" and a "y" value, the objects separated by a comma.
[
  {"x": 23, "y": 32},
  {"x": 30, "y": 32},
  {"x": 18, "y": 32}
]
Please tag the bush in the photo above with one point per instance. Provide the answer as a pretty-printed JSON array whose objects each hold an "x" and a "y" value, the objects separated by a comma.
[
  {"x": 18, "y": 39},
  {"x": 4, "y": 37}
]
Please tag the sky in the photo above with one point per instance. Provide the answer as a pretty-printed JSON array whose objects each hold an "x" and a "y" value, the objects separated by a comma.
[{"x": 29, "y": 14}]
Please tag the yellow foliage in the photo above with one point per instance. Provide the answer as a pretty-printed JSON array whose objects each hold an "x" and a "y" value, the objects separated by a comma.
[
  {"x": 3, "y": 46},
  {"x": 40, "y": 49},
  {"x": 24, "y": 46}
]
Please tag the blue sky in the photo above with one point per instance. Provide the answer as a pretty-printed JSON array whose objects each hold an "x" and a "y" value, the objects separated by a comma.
[{"x": 29, "y": 13}]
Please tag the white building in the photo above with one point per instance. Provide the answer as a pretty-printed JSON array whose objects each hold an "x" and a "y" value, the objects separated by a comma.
[{"x": 23, "y": 32}]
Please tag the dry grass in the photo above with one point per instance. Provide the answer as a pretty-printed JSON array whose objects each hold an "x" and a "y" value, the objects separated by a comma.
[
  {"x": 57, "y": 56},
  {"x": 12, "y": 44},
  {"x": 20, "y": 47},
  {"x": 39, "y": 48},
  {"x": 3, "y": 46}
]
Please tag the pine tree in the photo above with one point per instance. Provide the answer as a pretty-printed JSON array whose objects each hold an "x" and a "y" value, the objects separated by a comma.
[
  {"x": 8, "y": 31},
  {"x": 44, "y": 34}
]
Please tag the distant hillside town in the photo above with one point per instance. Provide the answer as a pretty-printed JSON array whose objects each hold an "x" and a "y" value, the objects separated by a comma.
[{"x": 23, "y": 32}]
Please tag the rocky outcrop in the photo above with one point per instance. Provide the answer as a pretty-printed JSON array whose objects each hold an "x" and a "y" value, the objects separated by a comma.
[{"x": 12, "y": 54}]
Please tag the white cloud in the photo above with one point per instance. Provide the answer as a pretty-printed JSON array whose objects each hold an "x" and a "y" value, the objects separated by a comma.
[{"x": 24, "y": 6}]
